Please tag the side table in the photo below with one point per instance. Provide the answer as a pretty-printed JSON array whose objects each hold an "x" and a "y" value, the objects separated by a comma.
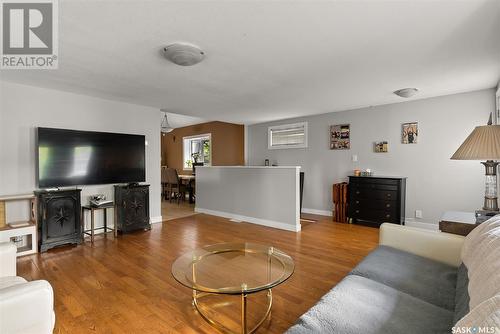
[
  {"x": 92, "y": 229},
  {"x": 456, "y": 222}
]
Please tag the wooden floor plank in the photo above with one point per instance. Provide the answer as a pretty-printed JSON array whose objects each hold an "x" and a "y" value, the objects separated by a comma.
[{"x": 125, "y": 285}]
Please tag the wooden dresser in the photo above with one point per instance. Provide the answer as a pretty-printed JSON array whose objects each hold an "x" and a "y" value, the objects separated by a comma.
[{"x": 374, "y": 200}]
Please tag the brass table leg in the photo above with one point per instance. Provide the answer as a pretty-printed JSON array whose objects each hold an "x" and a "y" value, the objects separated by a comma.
[
  {"x": 244, "y": 325},
  {"x": 244, "y": 313}
]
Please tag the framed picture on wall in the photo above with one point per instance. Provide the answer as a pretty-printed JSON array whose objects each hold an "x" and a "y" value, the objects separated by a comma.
[
  {"x": 381, "y": 147},
  {"x": 410, "y": 133},
  {"x": 340, "y": 137}
]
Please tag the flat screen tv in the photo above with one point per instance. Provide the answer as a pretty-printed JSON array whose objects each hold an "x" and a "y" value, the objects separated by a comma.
[{"x": 71, "y": 158}]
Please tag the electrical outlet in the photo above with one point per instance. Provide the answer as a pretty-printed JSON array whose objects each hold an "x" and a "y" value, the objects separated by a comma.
[
  {"x": 354, "y": 158},
  {"x": 418, "y": 213}
]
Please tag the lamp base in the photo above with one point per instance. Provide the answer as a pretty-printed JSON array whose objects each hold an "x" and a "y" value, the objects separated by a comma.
[
  {"x": 491, "y": 204},
  {"x": 490, "y": 198}
]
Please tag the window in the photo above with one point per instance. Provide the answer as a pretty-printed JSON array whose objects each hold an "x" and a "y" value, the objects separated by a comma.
[
  {"x": 197, "y": 149},
  {"x": 287, "y": 136}
]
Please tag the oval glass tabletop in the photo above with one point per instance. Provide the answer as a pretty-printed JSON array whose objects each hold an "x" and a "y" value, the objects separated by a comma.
[{"x": 233, "y": 268}]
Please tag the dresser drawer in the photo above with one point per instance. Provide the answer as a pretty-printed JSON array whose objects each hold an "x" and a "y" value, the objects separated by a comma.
[
  {"x": 374, "y": 186},
  {"x": 376, "y": 215},
  {"x": 381, "y": 204},
  {"x": 373, "y": 194},
  {"x": 370, "y": 180}
]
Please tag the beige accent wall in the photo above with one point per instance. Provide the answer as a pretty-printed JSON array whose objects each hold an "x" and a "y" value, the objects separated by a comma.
[{"x": 227, "y": 144}]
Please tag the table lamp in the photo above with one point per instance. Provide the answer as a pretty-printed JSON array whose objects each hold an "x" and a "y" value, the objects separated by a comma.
[{"x": 484, "y": 144}]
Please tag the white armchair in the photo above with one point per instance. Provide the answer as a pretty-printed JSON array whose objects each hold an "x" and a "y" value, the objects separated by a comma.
[{"x": 25, "y": 307}]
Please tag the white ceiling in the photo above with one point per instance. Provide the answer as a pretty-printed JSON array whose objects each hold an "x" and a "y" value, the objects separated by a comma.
[{"x": 268, "y": 60}]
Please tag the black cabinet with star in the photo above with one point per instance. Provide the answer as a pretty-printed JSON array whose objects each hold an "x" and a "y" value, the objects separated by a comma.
[
  {"x": 132, "y": 207},
  {"x": 59, "y": 218}
]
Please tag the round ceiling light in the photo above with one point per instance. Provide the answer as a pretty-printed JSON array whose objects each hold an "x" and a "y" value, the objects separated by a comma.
[
  {"x": 183, "y": 54},
  {"x": 406, "y": 92}
]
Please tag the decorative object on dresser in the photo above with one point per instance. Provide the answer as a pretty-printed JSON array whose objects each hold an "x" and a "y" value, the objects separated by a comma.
[
  {"x": 484, "y": 144},
  {"x": 376, "y": 200},
  {"x": 339, "y": 196},
  {"x": 59, "y": 218},
  {"x": 21, "y": 233},
  {"x": 132, "y": 207},
  {"x": 461, "y": 223}
]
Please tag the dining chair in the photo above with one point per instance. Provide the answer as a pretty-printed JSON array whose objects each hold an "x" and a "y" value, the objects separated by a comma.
[
  {"x": 164, "y": 183},
  {"x": 175, "y": 188}
]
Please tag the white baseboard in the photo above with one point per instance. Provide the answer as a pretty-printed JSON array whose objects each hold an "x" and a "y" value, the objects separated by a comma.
[
  {"x": 246, "y": 219},
  {"x": 317, "y": 212},
  {"x": 157, "y": 219},
  {"x": 414, "y": 223}
]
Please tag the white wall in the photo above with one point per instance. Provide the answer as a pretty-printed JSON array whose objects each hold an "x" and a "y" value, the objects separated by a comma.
[
  {"x": 435, "y": 183},
  {"x": 261, "y": 195},
  {"x": 22, "y": 108}
]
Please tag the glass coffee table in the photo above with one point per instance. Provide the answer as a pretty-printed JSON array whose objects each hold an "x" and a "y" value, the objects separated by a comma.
[{"x": 233, "y": 269}]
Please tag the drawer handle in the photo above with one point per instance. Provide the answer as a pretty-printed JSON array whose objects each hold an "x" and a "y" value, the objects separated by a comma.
[
  {"x": 387, "y": 216},
  {"x": 357, "y": 211},
  {"x": 357, "y": 202},
  {"x": 357, "y": 192},
  {"x": 387, "y": 205},
  {"x": 388, "y": 195}
]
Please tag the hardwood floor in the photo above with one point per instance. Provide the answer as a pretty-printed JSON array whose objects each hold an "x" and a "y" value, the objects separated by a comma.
[
  {"x": 176, "y": 210},
  {"x": 125, "y": 285}
]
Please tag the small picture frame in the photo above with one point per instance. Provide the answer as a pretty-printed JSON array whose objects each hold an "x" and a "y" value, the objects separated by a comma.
[
  {"x": 340, "y": 137},
  {"x": 380, "y": 147},
  {"x": 409, "y": 133}
]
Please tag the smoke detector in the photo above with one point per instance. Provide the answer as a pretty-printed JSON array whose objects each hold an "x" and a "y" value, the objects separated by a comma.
[
  {"x": 183, "y": 54},
  {"x": 406, "y": 92}
]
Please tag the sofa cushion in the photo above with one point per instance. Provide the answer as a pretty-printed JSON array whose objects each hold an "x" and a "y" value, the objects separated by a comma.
[
  {"x": 462, "y": 294},
  {"x": 429, "y": 280},
  {"x": 481, "y": 256},
  {"x": 360, "y": 305},
  {"x": 473, "y": 239},
  {"x": 486, "y": 316}
]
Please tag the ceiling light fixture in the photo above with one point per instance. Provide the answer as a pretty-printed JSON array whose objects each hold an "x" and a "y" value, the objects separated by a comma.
[
  {"x": 183, "y": 54},
  {"x": 165, "y": 127},
  {"x": 406, "y": 92}
]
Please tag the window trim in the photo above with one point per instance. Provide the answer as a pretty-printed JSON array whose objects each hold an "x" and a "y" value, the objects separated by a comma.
[
  {"x": 286, "y": 126},
  {"x": 209, "y": 135}
]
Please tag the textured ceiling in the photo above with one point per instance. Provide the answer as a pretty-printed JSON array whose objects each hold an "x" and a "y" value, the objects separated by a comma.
[{"x": 268, "y": 60}]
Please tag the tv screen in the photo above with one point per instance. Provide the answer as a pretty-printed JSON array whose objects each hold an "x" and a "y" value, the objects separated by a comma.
[{"x": 69, "y": 158}]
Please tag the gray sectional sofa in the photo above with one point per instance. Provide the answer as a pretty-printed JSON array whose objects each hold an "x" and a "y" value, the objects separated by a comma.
[{"x": 414, "y": 282}]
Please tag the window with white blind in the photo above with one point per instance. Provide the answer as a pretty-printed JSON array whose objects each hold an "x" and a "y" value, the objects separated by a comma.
[
  {"x": 287, "y": 136},
  {"x": 197, "y": 149}
]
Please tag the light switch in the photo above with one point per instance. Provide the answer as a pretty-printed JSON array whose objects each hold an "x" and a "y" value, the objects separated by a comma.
[{"x": 354, "y": 158}]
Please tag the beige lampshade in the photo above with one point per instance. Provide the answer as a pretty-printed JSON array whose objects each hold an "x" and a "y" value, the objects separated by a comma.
[{"x": 482, "y": 144}]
